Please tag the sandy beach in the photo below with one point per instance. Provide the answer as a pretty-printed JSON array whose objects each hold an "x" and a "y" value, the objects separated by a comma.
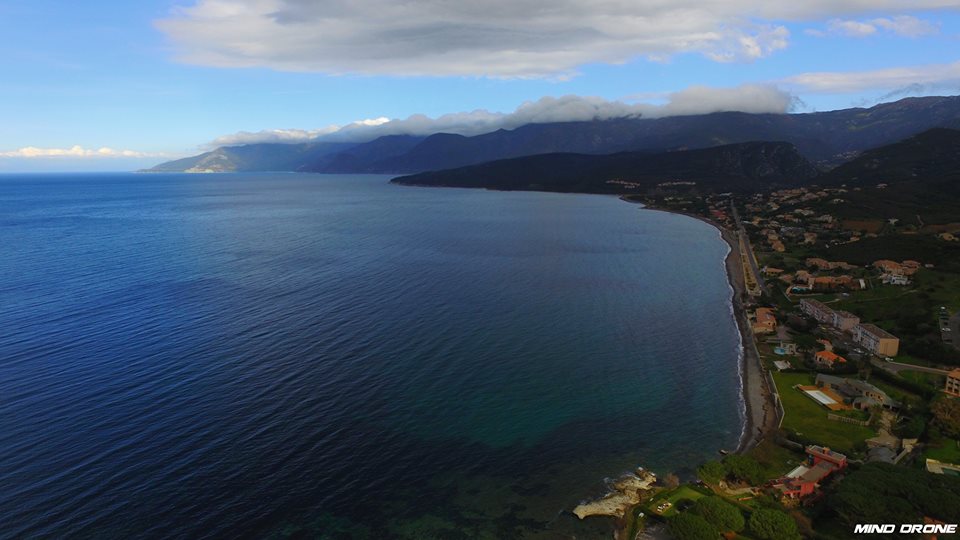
[{"x": 761, "y": 416}]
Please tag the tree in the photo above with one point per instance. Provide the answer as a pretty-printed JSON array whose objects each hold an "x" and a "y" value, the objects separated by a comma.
[
  {"x": 805, "y": 342},
  {"x": 773, "y": 525},
  {"x": 744, "y": 468},
  {"x": 912, "y": 428},
  {"x": 688, "y": 526},
  {"x": 946, "y": 412},
  {"x": 719, "y": 513},
  {"x": 884, "y": 493},
  {"x": 712, "y": 472}
]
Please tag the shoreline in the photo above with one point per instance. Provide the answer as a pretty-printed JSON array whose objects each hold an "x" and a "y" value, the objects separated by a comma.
[{"x": 759, "y": 407}]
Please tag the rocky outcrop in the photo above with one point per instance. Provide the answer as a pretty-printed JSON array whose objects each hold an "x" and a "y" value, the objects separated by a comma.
[{"x": 625, "y": 493}]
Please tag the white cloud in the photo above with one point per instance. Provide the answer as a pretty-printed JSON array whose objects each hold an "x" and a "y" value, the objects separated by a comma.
[
  {"x": 901, "y": 25},
  {"x": 74, "y": 152},
  {"x": 495, "y": 38},
  {"x": 755, "y": 98},
  {"x": 291, "y": 135},
  {"x": 272, "y": 136},
  {"x": 851, "y": 28},
  {"x": 908, "y": 26},
  {"x": 929, "y": 77},
  {"x": 492, "y": 38}
]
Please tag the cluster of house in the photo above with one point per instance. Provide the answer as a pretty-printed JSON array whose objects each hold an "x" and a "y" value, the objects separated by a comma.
[
  {"x": 840, "y": 394},
  {"x": 871, "y": 337},
  {"x": 854, "y": 393},
  {"x": 774, "y": 232},
  {"x": 806, "y": 479},
  {"x": 804, "y": 281},
  {"x": 894, "y": 273},
  {"x": 801, "y": 225}
]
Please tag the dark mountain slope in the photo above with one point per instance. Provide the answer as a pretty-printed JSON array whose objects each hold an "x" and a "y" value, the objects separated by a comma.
[
  {"x": 737, "y": 167},
  {"x": 826, "y": 138},
  {"x": 919, "y": 176},
  {"x": 926, "y": 158},
  {"x": 362, "y": 158}
]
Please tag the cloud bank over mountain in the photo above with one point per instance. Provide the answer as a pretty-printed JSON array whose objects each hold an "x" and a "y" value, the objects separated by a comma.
[
  {"x": 756, "y": 98},
  {"x": 899, "y": 81}
]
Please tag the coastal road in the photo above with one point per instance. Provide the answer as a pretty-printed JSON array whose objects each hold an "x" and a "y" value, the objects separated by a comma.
[
  {"x": 748, "y": 249},
  {"x": 897, "y": 367}
]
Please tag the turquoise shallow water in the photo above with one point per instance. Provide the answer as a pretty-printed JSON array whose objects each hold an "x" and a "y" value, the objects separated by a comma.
[{"x": 278, "y": 354}]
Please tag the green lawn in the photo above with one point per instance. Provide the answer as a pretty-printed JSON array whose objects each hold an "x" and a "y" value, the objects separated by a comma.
[
  {"x": 881, "y": 305},
  {"x": 884, "y": 304},
  {"x": 775, "y": 459},
  {"x": 943, "y": 449},
  {"x": 683, "y": 493},
  {"x": 931, "y": 380},
  {"x": 912, "y": 360},
  {"x": 896, "y": 392},
  {"x": 809, "y": 419}
]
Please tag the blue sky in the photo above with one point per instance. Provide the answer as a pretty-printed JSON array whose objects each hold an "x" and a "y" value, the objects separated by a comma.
[{"x": 135, "y": 83}]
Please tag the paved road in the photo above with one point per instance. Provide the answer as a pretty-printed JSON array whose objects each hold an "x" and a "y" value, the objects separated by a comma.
[
  {"x": 897, "y": 367},
  {"x": 749, "y": 249}
]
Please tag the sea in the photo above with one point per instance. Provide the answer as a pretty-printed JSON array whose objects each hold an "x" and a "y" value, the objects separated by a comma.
[{"x": 335, "y": 356}]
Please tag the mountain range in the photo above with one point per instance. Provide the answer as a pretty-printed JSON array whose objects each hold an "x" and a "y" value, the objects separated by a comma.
[
  {"x": 824, "y": 138},
  {"x": 742, "y": 167}
]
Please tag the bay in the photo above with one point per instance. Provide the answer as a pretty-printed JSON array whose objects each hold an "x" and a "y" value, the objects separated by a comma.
[{"x": 336, "y": 356}]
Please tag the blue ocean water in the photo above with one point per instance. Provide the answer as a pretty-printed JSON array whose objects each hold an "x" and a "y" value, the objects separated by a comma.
[{"x": 274, "y": 355}]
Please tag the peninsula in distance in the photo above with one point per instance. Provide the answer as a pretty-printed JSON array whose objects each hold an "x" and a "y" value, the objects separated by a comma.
[{"x": 500, "y": 271}]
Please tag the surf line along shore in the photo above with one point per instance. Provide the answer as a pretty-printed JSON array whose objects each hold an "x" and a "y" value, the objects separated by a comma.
[{"x": 760, "y": 409}]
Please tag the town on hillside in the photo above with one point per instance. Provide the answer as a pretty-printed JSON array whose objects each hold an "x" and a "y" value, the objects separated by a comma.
[{"x": 853, "y": 319}]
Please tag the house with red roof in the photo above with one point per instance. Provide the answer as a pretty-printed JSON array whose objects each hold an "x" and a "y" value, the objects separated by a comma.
[{"x": 806, "y": 479}]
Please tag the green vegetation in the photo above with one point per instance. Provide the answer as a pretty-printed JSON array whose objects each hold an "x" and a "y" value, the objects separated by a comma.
[
  {"x": 943, "y": 449},
  {"x": 925, "y": 248},
  {"x": 807, "y": 418},
  {"x": 744, "y": 468},
  {"x": 775, "y": 459},
  {"x": 735, "y": 467},
  {"x": 912, "y": 428},
  {"x": 675, "y": 496},
  {"x": 911, "y": 313},
  {"x": 719, "y": 513},
  {"x": 712, "y": 472},
  {"x": 923, "y": 193},
  {"x": 773, "y": 525},
  {"x": 909, "y": 389},
  {"x": 688, "y": 526},
  {"x": 921, "y": 174},
  {"x": 710, "y": 516},
  {"x": 883, "y": 493},
  {"x": 946, "y": 414}
]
